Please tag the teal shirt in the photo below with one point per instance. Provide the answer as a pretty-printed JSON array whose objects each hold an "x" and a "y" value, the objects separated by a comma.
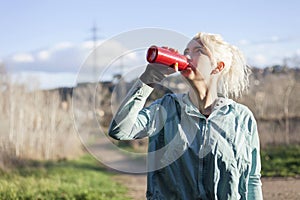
[{"x": 191, "y": 156}]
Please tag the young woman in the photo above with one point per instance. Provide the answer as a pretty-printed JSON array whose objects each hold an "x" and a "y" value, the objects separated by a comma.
[{"x": 202, "y": 145}]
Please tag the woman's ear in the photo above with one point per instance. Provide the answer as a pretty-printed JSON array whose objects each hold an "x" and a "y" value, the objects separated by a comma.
[{"x": 219, "y": 68}]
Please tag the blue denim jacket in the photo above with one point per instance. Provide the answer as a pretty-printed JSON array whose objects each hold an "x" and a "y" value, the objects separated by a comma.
[{"x": 191, "y": 156}]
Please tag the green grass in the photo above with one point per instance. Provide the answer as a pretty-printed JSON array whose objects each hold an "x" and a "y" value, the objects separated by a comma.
[
  {"x": 281, "y": 161},
  {"x": 80, "y": 179},
  {"x": 85, "y": 178}
]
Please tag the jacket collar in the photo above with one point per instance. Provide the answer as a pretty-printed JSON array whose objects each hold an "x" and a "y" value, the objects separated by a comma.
[{"x": 221, "y": 104}]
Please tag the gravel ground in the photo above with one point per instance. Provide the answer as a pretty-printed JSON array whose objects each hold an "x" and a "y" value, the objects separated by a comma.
[
  {"x": 281, "y": 188},
  {"x": 273, "y": 188}
]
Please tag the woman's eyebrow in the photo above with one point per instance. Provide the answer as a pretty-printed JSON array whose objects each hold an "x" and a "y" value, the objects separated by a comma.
[
  {"x": 198, "y": 47},
  {"x": 202, "y": 49},
  {"x": 187, "y": 49}
]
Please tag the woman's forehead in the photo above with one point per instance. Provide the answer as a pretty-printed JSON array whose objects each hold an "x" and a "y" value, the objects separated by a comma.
[
  {"x": 196, "y": 44},
  {"x": 193, "y": 43}
]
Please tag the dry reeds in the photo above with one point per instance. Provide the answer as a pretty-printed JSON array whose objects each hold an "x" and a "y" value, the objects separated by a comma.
[{"x": 34, "y": 125}]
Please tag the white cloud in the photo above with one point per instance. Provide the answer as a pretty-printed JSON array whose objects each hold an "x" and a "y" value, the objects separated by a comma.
[
  {"x": 275, "y": 39},
  {"x": 87, "y": 45},
  {"x": 243, "y": 42},
  {"x": 48, "y": 65},
  {"x": 43, "y": 55},
  {"x": 106, "y": 54},
  {"x": 269, "y": 51},
  {"x": 90, "y": 44},
  {"x": 62, "y": 46},
  {"x": 259, "y": 60},
  {"x": 43, "y": 80},
  {"x": 23, "y": 58},
  {"x": 62, "y": 57}
]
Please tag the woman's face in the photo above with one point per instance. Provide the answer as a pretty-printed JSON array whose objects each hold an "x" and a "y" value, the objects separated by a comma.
[{"x": 199, "y": 58}]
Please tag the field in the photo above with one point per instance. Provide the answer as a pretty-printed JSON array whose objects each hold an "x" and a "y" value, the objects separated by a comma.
[
  {"x": 85, "y": 178},
  {"x": 82, "y": 179}
]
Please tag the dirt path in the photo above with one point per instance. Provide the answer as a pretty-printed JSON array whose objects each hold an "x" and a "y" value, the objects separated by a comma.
[
  {"x": 136, "y": 185},
  {"x": 281, "y": 188},
  {"x": 273, "y": 188}
]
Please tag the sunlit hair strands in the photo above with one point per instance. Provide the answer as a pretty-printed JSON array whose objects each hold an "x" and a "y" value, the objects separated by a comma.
[{"x": 234, "y": 79}]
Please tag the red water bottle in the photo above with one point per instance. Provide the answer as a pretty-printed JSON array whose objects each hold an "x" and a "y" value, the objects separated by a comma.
[{"x": 167, "y": 57}]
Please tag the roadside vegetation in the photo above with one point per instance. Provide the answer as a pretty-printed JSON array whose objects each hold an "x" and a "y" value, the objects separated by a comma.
[
  {"x": 82, "y": 178},
  {"x": 282, "y": 161}
]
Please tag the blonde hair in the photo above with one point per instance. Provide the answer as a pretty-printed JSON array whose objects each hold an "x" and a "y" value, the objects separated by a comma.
[{"x": 234, "y": 78}]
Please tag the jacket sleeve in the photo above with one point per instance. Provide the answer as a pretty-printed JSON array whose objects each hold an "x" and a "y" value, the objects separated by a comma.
[
  {"x": 132, "y": 121},
  {"x": 254, "y": 184}
]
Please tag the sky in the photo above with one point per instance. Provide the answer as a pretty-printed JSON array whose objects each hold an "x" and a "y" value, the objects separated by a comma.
[{"x": 50, "y": 40}]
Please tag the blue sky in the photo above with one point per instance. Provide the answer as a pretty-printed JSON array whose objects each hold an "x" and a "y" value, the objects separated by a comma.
[{"x": 266, "y": 31}]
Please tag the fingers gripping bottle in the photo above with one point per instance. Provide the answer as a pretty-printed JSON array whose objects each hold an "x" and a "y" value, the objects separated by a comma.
[{"x": 167, "y": 57}]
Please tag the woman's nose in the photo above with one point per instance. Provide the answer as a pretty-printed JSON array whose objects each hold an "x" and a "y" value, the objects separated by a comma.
[{"x": 189, "y": 58}]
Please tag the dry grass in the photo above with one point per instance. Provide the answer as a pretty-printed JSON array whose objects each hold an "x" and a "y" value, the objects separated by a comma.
[{"x": 34, "y": 125}]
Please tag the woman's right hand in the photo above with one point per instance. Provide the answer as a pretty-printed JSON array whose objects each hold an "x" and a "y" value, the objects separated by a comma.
[{"x": 155, "y": 73}]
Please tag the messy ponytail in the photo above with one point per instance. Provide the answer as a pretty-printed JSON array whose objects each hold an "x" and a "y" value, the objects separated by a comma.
[{"x": 234, "y": 78}]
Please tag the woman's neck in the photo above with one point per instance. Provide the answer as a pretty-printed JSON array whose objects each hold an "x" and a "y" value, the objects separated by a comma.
[{"x": 203, "y": 96}]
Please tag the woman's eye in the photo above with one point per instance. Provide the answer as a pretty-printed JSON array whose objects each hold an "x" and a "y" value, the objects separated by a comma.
[{"x": 198, "y": 51}]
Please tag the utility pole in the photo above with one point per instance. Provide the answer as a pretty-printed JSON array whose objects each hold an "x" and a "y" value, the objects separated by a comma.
[{"x": 94, "y": 32}]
